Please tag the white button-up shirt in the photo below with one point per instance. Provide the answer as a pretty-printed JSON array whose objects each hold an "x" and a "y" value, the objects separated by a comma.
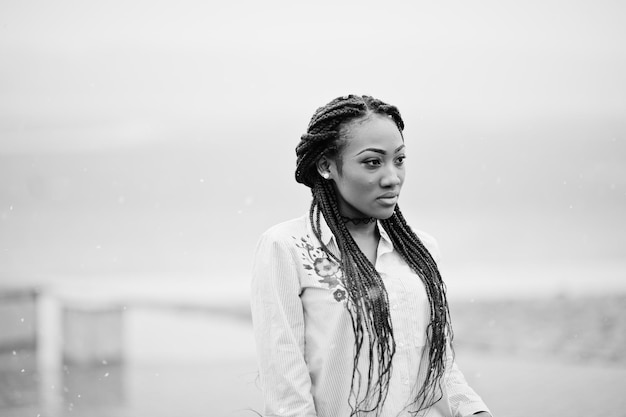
[{"x": 304, "y": 335}]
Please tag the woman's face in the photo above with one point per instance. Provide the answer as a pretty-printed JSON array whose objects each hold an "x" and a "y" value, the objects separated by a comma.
[{"x": 370, "y": 173}]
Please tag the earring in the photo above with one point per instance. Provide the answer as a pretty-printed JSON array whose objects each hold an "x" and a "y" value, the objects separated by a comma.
[{"x": 326, "y": 175}]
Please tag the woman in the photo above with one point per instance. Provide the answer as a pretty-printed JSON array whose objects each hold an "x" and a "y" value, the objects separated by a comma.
[{"x": 349, "y": 309}]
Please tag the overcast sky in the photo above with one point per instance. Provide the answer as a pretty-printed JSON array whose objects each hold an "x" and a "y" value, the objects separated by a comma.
[
  {"x": 125, "y": 70},
  {"x": 114, "y": 113}
]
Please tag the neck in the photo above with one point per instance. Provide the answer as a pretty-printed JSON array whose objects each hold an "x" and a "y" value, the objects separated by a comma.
[
  {"x": 360, "y": 226},
  {"x": 358, "y": 220},
  {"x": 366, "y": 236}
]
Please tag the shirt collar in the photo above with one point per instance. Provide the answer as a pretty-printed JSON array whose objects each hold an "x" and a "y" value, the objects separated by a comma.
[{"x": 385, "y": 244}]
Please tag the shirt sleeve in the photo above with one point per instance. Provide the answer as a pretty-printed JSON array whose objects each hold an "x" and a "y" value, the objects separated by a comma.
[
  {"x": 278, "y": 321},
  {"x": 462, "y": 398}
]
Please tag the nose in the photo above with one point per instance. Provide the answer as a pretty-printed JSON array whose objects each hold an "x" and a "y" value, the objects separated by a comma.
[{"x": 393, "y": 176}]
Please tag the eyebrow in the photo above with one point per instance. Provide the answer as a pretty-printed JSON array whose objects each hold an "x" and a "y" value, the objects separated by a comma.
[{"x": 380, "y": 151}]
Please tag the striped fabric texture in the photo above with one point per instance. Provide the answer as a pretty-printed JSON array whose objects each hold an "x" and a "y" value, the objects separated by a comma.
[{"x": 304, "y": 336}]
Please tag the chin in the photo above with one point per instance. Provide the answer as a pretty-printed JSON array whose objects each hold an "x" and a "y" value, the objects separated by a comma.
[{"x": 384, "y": 215}]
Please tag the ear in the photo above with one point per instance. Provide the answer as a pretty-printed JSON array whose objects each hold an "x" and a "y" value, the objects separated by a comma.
[{"x": 324, "y": 167}]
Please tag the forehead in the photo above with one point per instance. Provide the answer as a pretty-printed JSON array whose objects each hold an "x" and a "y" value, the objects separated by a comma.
[{"x": 374, "y": 131}]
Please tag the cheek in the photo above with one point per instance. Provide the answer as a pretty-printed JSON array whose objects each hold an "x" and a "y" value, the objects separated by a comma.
[
  {"x": 355, "y": 189},
  {"x": 402, "y": 174},
  {"x": 356, "y": 185},
  {"x": 364, "y": 184}
]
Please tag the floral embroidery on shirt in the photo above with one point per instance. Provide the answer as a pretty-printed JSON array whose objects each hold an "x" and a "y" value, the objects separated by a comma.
[
  {"x": 339, "y": 294},
  {"x": 314, "y": 259}
]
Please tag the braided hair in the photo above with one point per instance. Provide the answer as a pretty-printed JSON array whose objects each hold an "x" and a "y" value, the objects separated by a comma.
[{"x": 368, "y": 303}]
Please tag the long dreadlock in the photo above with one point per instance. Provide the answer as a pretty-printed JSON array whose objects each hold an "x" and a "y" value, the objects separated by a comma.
[{"x": 368, "y": 303}]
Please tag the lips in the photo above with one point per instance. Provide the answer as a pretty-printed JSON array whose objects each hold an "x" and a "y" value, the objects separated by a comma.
[{"x": 388, "y": 199}]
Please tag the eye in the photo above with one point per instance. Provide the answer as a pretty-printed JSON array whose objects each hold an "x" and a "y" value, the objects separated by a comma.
[
  {"x": 400, "y": 160},
  {"x": 372, "y": 163}
]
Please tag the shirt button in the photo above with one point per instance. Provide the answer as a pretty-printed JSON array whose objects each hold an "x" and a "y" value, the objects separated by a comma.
[
  {"x": 406, "y": 381},
  {"x": 394, "y": 307},
  {"x": 281, "y": 411}
]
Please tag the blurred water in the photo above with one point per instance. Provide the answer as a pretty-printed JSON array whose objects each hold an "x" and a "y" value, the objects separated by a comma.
[
  {"x": 175, "y": 360},
  {"x": 198, "y": 364}
]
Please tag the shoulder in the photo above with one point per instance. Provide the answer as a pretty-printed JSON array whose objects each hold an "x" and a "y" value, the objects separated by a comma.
[
  {"x": 284, "y": 237},
  {"x": 427, "y": 239},
  {"x": 286, "y": 231},
  {"x": 430, "y": 243}
]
